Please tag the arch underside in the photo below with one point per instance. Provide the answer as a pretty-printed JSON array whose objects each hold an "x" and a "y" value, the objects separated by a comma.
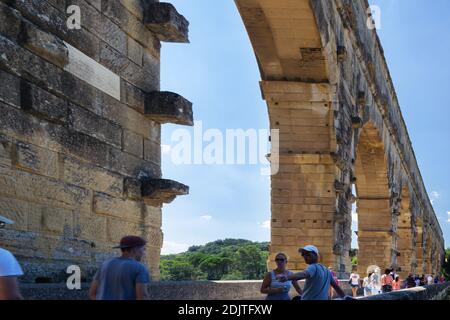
[{"x": 311, "y": 194}]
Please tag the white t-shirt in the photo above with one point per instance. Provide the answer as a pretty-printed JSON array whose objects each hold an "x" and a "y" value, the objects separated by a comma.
[
  {"x": 355, "y": 279},
  {"x": 8, "y": 265},
  {"x": 430, "y": 280}
]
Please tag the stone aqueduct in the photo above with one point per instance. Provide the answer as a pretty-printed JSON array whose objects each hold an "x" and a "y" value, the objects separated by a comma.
[
  {"x": 81, "y": 112},
  {"x": 329, "y": 92}
]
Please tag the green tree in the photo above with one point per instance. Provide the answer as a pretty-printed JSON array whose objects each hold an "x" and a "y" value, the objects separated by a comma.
[
  {"x": 251, "y": 262},
  {"x": 446, "y": 265}
]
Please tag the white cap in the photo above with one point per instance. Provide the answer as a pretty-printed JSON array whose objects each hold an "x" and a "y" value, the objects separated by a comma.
[
  {"x": 310, "y": 248},
  {"x": 4, "y": 220}
]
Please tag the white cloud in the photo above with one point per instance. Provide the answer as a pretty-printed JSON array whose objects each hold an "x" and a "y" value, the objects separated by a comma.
[
  {"x": 166, "y": 149},
  {"x": 448, "y": 216},
  {"x": 170, "y": 247},
  {"x": 265, "y": 224},
  {"x": 434, "y": 195},
  {"x": 206, "y": 217}
]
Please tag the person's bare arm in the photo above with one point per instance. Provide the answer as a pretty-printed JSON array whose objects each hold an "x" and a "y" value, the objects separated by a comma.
[
  {"x": 141, "y": 291},
  {"x": 9, "y": 289},
  {"x": 93, "y": 290},
  {"x": 265, "y": 286},
  {"x": 297, "y": 287},
  {"x": 338, "y": 289}
]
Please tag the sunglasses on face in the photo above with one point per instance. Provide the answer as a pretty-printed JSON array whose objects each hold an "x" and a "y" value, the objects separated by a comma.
[
  {"x": 306, "y": 254},
  {"x": 280, "y": 260}
]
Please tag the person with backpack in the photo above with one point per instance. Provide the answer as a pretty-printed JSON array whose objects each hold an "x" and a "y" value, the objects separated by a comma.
[{"x": 318, "y": 277}]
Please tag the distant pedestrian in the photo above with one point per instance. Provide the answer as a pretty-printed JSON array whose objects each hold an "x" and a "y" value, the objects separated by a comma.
[
  {"x": 417, "y": 281},
  {"x": 275, "y": 289},
  {"x": 430, "y": 279},
  {"x": 124, "y": 277},
  {"x": 318, "y": 277},
  {"x": 422, "y": 280},
  {"x": 333, "y": 274},
  {"x": 368, "y": 285},
  {"x": 386, "y": 281},
  {"x": 354, "y": 283},
  {"x": 410, "y": 282},
  {"x": 396, "y": 284},
  {"x": 10, "y": 270}
]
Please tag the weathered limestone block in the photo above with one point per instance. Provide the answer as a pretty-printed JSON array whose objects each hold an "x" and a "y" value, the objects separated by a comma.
[
  {"x": 84, "y": 121},
  {"x": 125, "y": 209},
  {"x": 165, "y": 21},
  {"x": 20, "y": 184},
  {"x": 152, "y": 216},
  {"x": 42, "y": 103},
  {"x": 158, "y": 191},
  {"x": 44, "y": 44},
  {"x": 133, "y": 143},
  {"x": 117, "y": 228},
  {"x": 36, "y": 159},
  {"x": 133, "y": 189},
  {"x": 5, "y": 150},
  {"x": 152, "y": 151},
  {"x": 90, "y": 226},
  {"x": 9, "y": 89},
  {"x": 168, "y": 107},
  {"x": 91, "y": 177}
]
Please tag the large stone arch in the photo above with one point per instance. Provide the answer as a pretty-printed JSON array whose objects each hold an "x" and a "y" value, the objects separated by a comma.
[
  {"x": 376, "y": 237},
  {"x": 330, "y": 95}
]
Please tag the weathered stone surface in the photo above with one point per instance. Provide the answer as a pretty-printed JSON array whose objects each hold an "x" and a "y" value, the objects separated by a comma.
[
  {"x": 91, "y": 177},
  {"x": 42, "y": 103},
  {"x": 127, "y": 210},
  {"x": 168, "y": 107},
  {"x": 36, "y": 159},
  {"x": 44, "y": 44},
  {"x": 133, "y": 143},
  {"x": 164, "y": 20},
  {"x": 159, "y": 191}
]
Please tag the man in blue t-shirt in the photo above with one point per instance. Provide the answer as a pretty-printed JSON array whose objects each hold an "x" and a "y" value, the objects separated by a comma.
[
  {"x": 124, "y": 277},
  {"x": 318, "y": 277}
]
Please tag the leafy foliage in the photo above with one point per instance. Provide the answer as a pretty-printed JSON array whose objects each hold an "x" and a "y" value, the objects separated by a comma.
[
  {"x": 229, "y": 259},
  {"x": 446, "y": 265}
]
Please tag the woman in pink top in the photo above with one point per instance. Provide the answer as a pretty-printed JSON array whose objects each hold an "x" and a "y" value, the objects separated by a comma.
[
  {"x": 396, "y": 284},
  {"x": 386, "y": 281}
]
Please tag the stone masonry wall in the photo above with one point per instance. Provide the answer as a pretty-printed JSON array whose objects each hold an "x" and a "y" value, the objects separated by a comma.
[{"x": 79, "y": 143}]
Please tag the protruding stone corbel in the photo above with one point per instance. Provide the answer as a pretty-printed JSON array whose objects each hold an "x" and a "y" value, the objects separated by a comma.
[
  {"x": 165, "y": 21},
  {"x": 357, "y": 123},
  {"x": 155, "y": 192},
  {"x": 168, "y": 107}
]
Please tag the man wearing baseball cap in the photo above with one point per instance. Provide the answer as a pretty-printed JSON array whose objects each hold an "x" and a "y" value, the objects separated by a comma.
[
  {"x": 318, "y": 277},
  {"x": 124, "y": 277},
  {"x": 9, "y": 271}
]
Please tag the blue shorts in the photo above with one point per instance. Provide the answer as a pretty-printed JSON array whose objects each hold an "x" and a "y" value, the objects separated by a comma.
[{"x": 355, "y": 285}]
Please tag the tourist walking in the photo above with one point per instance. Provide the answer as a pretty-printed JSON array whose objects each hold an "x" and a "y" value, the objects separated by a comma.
[
  {"x": 354, "y": 283},
  {"x": 318, "y": 277},
  {"x": 386, "y": 281},
  {"x": 10, "y": 270},
  {"x": 124, "y": 277},
  {"x": 275, "y": 289},
  {"x": 368, "y": 285}
]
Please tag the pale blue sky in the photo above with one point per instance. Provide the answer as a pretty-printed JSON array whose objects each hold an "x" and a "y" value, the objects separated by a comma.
[{"x": 217, "y": 71}]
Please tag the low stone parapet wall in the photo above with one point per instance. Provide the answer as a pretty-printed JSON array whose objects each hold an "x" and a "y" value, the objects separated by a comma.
[{"x": 431, "y": 292}]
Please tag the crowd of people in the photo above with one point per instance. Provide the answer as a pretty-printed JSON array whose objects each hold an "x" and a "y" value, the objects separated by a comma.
[
  {"x": 125, "y": 278},
  {"x": 390, "y": 281}
]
